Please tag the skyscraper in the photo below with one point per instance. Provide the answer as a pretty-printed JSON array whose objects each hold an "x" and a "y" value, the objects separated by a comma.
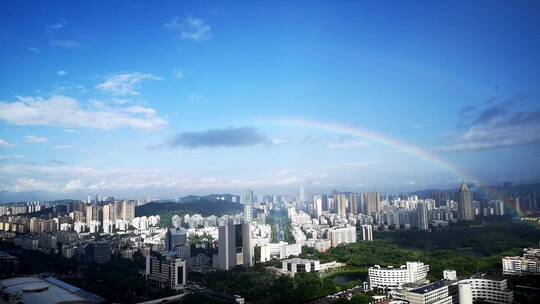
[
  {"x": 248, "y": 199},
  {"x": 247, "y": 196},
  {"x": 234, "y": 246},
  {"x": 422, "y": 216},
  {"x": 367, "y": 233},
  {"x": 317, "y": 205},
  {"x": 372, "y": 202},
  {"x": 342, "y": 204},
  {"x": 302, "y": 197},
  {"x": 92, "y": 214},
  {"x": 125, "y": 210},
  {"x": 465, "y": 206},
  {"x": 355, "y": 203},
  {"x": 175, "y": 237},
  {"x": 109, "y": 214}
]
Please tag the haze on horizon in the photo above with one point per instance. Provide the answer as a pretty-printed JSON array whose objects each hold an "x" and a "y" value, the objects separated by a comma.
[{"x": 206, "y": 97}]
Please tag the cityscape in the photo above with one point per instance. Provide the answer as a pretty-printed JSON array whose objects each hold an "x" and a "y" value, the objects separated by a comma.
[{"x": 269, "y": 152}]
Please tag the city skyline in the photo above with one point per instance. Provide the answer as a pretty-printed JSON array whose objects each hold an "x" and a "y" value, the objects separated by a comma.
[{"x": 211, "y": 97}]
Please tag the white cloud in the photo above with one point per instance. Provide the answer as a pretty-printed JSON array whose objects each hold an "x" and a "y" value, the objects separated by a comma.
[
  {"x": 5, "y": 144},
  {"x": 67, "y": 112},
  {"x": 57, "y": 26},
  {"x": 33, "y": 49},
  {"x": 347, "y": 144},
  {"x": 12, "y": 157},
  {"x": 62, "y": 178},
  {"x": 179, "y": 74},
  {"x": 73, "y": 185},
  {"x": 63, "y": 147},
  {"x": 61, "y": 73},
  {"x": 194, "y": 98},
  {"x": 36, "y": 139},
  {"x": 30, "y": 184},
  {"x": 191, "y": 28},
  {"x": 68, "y": 44},
  {"x": 124, "y": 84},
  {"x": 277, "y": 141},
  {"x": 500, "y": 125},
  {"x": 70, "y": 131}
]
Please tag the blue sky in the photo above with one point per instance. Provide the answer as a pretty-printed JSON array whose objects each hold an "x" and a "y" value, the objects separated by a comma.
[{"x": 134, "y": 99}]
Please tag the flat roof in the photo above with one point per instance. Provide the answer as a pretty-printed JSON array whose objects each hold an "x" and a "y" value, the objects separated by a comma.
[
  {"x": 430, "y": 287},
  {"x": 46, "y": 290}
]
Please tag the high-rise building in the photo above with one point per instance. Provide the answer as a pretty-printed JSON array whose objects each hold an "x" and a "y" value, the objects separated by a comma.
[
  {"x": 92, "y": 214},
  {"x": 372, "y": 202},
  {"x": 344, "y": 235},
  {"x": 99, "y": 252},
  {"x": 247, "y": 196},
  {"x": 235, "y": 247},
  {"x": 367, "y": 233},
  {"x": 465, "y": 206},
  {"x": 302, "y": 197},
  {"x": 166, "y": 270},
  {"x": 125, "y": 210},
  {"x": 342, "y": 203},
  {"x": 512, "y": 205},
  {"x": 355, "y": 203},
  {"x": 109, "y": 214},
  {"x": 248, "y": 212},
  {"x": 175, "y": 237},
  {"x": 317, "y": 205},
  {"x": 422, "y": 216}
]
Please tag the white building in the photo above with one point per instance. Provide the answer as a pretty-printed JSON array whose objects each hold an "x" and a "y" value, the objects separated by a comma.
[
  {"x": 367, "y": 233},
  {"x": 392, "y": 278},
  {"x": 94, "y": 226},
  {"x": 529, "y": 263},
  {"x": 431, "y": 293},
  {"x": 343, "y": 235},
  {"x": 281, "y": 250},
  {"x": 292, "y": 266},
  {"x": 66, "y": 227},
  {"x": 108, "y": 227},
  {"x": 450, "y": 275},
  {"x": 319, "y": 244},
  {"x": 80, "y": 227},
  {"x": 491, "y": 289}
]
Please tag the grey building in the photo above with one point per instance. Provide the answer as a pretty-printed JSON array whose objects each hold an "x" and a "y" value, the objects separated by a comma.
[
  {"x": 465, "y": 206},
  {"x": 235, "y": 247}
]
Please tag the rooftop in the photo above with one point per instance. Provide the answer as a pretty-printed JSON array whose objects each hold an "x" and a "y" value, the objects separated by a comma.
[
  {"x": 430, "y": 287},
  {"x": 37, "y": 290}
]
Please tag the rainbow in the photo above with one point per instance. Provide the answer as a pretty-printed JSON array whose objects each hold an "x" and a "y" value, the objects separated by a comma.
[{"x": 414, "y": 151}]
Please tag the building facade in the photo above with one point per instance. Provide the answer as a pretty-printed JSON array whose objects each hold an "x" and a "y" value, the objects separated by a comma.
[
  {"x": 165, "y": 270},
  {"x": 465, "y": 205},
  {"x": 235, "y": 247},
  {"x": 392, "y": 278}
]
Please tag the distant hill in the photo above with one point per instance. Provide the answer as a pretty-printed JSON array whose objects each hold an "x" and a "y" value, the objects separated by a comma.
[
  {"x": 64, "y": 201},
  {"x": 192, "y": 205}
]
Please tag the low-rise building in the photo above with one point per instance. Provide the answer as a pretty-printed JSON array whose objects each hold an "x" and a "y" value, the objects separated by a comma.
[
  {"x": 165, "y": 269},
  {"x": 528, "y": 263},
  {"x": 36, "y": 290},
  {"x": 391, "y": 278},
  {"x": 293, "y": 266},
  {"x": 431, "y": 293},
  {"x": 490, "y": 289}
]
